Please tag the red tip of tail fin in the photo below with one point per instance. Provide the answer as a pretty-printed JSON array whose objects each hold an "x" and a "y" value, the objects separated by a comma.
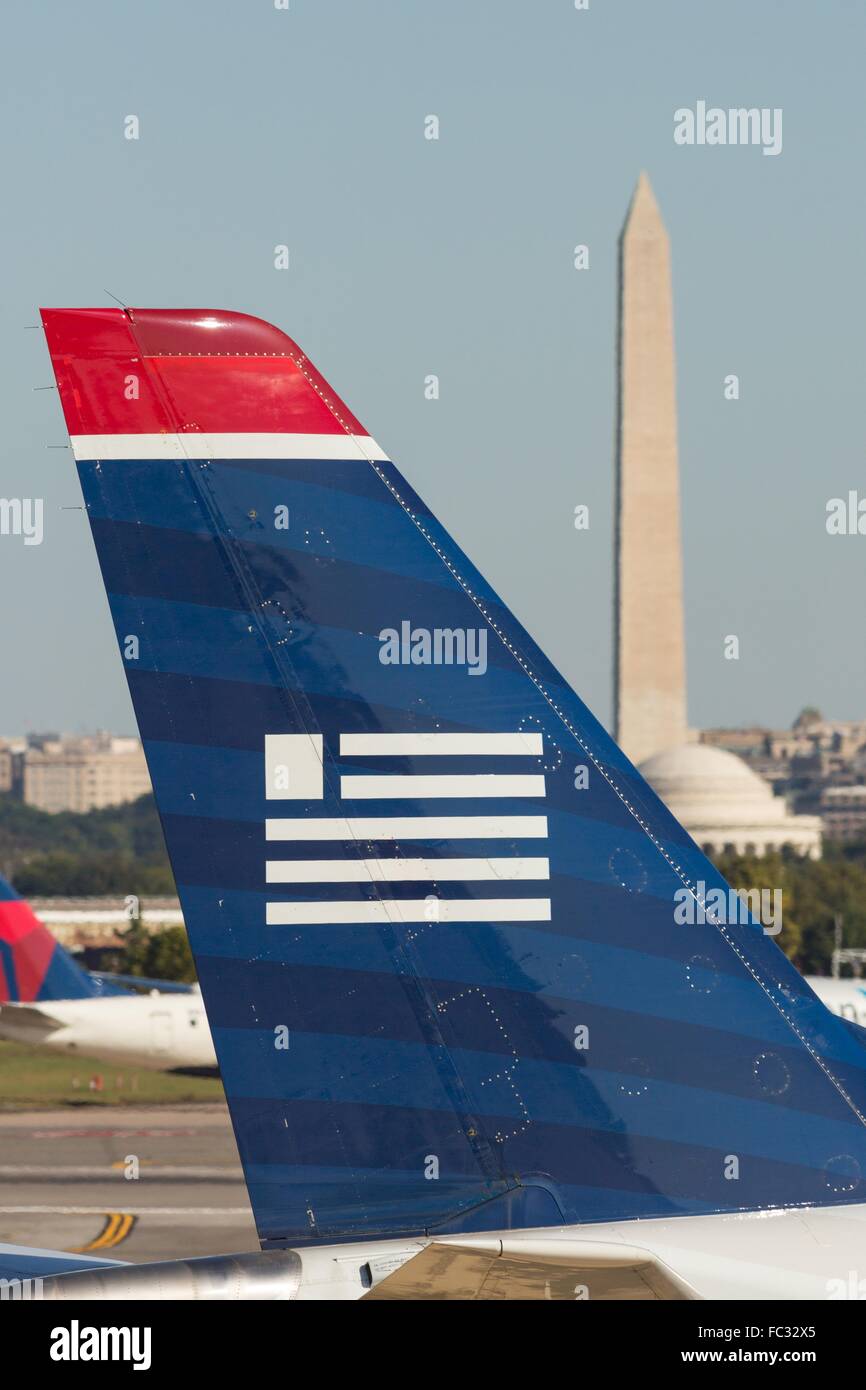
[{"x": 160, "y": 371}]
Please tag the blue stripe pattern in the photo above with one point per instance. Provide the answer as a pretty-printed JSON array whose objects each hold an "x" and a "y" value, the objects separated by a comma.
[{"x": 393, "y": 1077}]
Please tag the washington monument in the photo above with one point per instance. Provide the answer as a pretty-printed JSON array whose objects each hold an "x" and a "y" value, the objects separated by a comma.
[{"x": 649, "y": 645}]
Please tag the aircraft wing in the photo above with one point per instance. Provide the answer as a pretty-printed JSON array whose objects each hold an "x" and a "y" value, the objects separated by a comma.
[
  {"x": 20, "y": 1262},
  {"x": 29, "y": 1019},
  {"x": 491, "y": 1268}
]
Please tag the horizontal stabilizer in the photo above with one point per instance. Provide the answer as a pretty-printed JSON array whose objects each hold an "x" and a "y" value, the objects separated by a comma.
[
  {"x": 21, "y": 1263},
  {"x": 494, "y": 1269},
  {"x": 26, "y": 1021}
]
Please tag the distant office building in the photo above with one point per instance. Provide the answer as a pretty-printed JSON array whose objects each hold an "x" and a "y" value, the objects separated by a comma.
[
  {"x": 7, "y": 766},
  {"x": 819, "y": 765},
  {"x": 97, "y": 924},
  {"x": 748, "y": 743},
  {"x": 843, "y": 812},
  {"x": 82, "y": 774}
]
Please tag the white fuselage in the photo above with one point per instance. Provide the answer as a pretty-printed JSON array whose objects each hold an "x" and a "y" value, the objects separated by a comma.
[
  {"x": 811, "y": 1253},
  {"x": 847, "y": 998},
  {"x": 161, "y": 1031}
]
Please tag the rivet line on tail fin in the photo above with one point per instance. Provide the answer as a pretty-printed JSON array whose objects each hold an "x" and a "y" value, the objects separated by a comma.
[{"x": 506, "y": 1073}]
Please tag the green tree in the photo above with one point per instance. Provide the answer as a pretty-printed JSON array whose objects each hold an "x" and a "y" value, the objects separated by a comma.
[
  {"x": 105, "y": 845},
  {"x": 163, "y": 955},
  {"x": 814, "y": 892},
  {"x": 771, "y": 872},
  {"x": 65, "y": 873}
]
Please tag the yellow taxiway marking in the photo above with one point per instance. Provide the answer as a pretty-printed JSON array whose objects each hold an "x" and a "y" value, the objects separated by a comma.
[{"x": 118, "y": 1225}]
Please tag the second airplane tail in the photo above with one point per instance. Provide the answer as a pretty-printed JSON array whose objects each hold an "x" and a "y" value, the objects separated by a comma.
[{"x": 34, "y": 967}]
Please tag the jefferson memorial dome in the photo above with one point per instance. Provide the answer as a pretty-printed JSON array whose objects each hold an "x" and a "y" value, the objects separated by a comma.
[{"x": 724, "y": 805}]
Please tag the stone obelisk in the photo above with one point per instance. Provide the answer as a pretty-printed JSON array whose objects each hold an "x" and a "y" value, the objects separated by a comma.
[{"x": 649, "y": 670}]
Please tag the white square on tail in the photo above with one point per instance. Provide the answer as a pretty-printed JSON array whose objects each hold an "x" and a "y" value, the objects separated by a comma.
[{"x": 293, "y": 767}]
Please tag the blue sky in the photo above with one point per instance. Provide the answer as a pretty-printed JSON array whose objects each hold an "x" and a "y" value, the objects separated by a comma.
[{"x": 454, "y": 257}]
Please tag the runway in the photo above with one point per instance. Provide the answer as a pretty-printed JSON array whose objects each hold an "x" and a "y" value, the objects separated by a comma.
[{"x": 134, "y": 1185}]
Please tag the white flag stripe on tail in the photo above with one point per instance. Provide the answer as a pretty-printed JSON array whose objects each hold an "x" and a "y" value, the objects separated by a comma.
[
  {"x": 398, "y": 911},
  {"x": 198, "y": 445},
  {"x": 406, "y": 828},
  {"x": 411, "y": 787},
  {"x": 414, "y": 745},
  {"x": 403, "y": 870}
]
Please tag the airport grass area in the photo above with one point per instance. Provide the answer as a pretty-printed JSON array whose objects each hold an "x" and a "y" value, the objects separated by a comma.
[{"x": 34, "y": 1079}]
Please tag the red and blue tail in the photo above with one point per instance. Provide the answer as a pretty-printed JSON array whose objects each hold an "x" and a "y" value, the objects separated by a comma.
[
  {"x": 434, "y": 907},
  {"x": 33, "y": 966}
]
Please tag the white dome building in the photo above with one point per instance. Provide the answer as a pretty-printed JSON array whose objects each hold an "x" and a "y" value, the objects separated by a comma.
[{"x": 724, "y": 805}]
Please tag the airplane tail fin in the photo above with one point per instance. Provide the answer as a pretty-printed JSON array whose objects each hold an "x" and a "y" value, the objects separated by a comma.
[
  {"x": 463, "y": 969},
  {"x": 33, "y": 965}
]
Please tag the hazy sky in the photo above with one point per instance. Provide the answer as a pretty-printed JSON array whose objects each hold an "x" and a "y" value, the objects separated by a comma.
[{"x": 260, "y": 126}]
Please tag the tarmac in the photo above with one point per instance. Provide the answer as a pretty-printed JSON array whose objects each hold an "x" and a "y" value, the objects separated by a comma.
[{"x": 136, "y": 1185}]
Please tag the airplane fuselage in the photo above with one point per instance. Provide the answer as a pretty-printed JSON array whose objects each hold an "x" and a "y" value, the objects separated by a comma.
[
  {"x": 847, "y": 998},
  {"x": 810, "y": 1253},
  {"x": 160, "y": 1031}
]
